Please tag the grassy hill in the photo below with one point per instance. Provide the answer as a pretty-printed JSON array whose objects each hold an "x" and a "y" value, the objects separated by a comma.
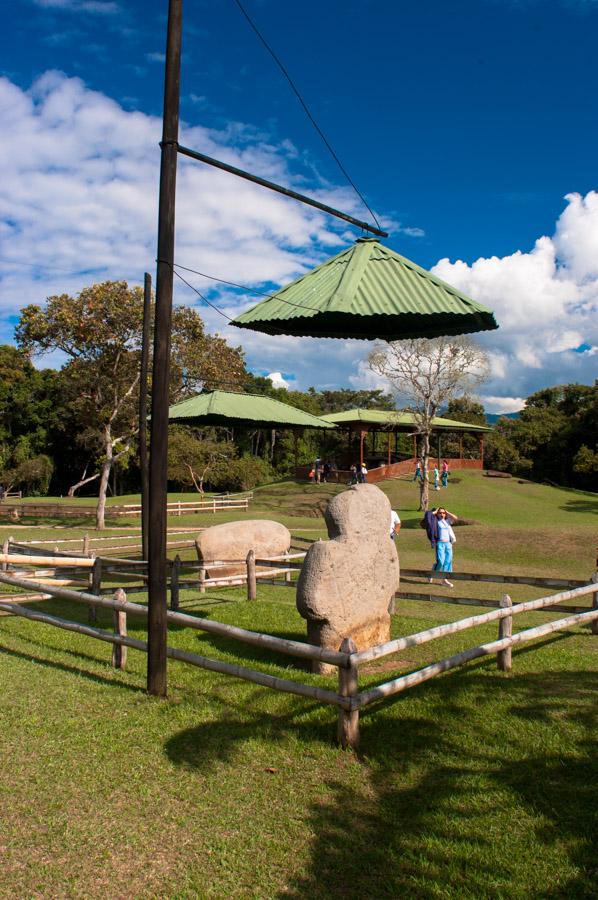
[{"x": 474, "y": 785}]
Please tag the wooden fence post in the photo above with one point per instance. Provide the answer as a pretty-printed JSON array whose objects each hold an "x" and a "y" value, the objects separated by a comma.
[
  {"x": 594, "y": 624},
  {"x": 251, "y": 579},
  {"x": 119, "y": 651},
  {"x": 287, "y": 574},
  {"x": 505, "y": 629},
  {"x": 85, "y": 545},
  {"x": 95, "y": 587},
  {"x": 6, "y": 550},
  {"x": 202, "y": 579},
  {"x": 348, "y": 720},
  {"x": 174, "y": 583}
]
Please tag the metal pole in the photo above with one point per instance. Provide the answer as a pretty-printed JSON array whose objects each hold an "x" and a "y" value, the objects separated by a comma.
[
  {"x": 157, "y": 600},
  {"x": 271, "y": 185},
  {"x": 147, "y": 296}
]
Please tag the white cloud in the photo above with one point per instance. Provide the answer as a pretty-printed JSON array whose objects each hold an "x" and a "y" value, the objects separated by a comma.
[
  {"x": 557, "y": 341},
  {"x": 576, "y": 237},
  {"x": 502, "y": 405},
  {"x": 545, "y": 301},
  {"x": 363, "y": 379},
  {"x": 277, "y": 380},
  {"x": 78, "y": 204}
]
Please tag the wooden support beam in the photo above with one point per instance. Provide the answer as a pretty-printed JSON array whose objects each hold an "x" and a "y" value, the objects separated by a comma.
[
  {"x": 505, "y": 630},
  {"x": 158, "y": 471},
  {"x": 251, "y": 579},
  {"x": 174, "y": 583},
  {"x": 95, "y": 588},
  {"x": 119, "y": 651},
  {"x": 348, "y": 686}
]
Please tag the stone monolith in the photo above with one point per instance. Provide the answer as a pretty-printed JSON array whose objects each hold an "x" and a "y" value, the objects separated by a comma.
[
  {"x": 347, "y": 583},
  {"x": 234, "y": 540}
]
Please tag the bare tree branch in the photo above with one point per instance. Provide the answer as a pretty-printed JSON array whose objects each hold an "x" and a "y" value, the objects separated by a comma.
[{"x": 426, "y": 375}]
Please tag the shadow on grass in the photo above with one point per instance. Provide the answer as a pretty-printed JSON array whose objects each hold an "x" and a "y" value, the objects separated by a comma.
[
  {"x": 76, "y": 670},
  {"x": 254, "y": 654},
  {"x": 471, "y": 782},
  {"x": 576, "y": 506}
]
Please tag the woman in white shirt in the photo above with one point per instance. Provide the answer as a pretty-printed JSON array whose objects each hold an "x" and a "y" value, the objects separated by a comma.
[{"x": 444, "y": 544}]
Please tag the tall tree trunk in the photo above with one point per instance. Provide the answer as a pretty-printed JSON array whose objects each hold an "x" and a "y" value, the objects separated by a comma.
[
  {"x": 424, "y": 460},
  {"x": 272, "y": 444},
  {"x": 104, "y": 477}
]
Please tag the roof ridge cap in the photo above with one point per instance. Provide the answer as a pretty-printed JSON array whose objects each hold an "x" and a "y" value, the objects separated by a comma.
[{"x": 361, "y": 254}]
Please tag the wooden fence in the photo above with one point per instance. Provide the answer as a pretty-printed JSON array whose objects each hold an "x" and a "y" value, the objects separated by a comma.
[
  {"x": 90, "y": 545},
  {"x": 175, "y": 508},
  {"x": 348, "y": 699},
  {"x": 61, "y": 569}
]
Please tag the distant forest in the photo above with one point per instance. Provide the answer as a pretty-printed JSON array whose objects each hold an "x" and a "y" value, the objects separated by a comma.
[{"x": 50, "y": 442}]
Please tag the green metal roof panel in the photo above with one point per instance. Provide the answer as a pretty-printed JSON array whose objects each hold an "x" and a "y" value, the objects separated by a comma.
[
  {"x": 252, "y": 410},
  {"x": 368, "y": 291},
  {"x": 394, "y": 418}
]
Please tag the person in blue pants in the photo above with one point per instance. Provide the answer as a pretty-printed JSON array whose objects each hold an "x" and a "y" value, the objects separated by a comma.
[{"x": 437, "y": 523}]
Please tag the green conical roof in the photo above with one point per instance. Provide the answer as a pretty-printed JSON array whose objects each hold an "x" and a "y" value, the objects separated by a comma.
[
  {"x": 368, "y": 291},
  {"x": 242, "y": 410},
  {"x": 395, "y": 420}
]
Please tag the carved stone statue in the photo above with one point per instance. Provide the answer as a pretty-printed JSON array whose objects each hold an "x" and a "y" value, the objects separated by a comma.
[{"x": 348, "y": 582}]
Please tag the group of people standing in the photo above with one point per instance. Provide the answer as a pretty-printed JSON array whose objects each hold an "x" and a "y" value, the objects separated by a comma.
[
  {"x": 358, "y": 473},
  {"x": 321, "y": 472},
  {"x": 439, "y": 476}
]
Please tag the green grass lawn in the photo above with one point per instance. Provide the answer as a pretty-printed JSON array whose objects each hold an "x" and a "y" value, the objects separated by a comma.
[{"x": 474, "y": 785}]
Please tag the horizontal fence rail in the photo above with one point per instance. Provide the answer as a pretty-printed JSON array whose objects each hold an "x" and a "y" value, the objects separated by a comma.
[
  {"x": 58, "y": 510},
  {"x": 492, "y": 578},
  {"x": 257, "y": 639},
  {"x": 414, "y": 678},
  {"x": 440, "y": 631},
  {"x": 348, "y": 699},
  {"x": 214, "y": 665}
]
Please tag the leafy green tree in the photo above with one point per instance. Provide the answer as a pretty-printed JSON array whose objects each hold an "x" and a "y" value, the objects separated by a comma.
[
  {"x": 100, "y": 331},
  {"x": 553, "y": 437},
  {"x": 502, "y": 453},
  {"x": 195, "y": 459},
  {"x": 345, "y": 399},
  {"x": 585, "y": 465},
  {"x": 31, "y": 475},
  {"x": 465, "y": 409},
  {"x": 29, "y": 407}
]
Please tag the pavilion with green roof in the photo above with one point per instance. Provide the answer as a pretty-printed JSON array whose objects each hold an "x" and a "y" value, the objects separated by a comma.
[
  {"x": 230, "y": 409},
  {"x": 364, "y": 421}
]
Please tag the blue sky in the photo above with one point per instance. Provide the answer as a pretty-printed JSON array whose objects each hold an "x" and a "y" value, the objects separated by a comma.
[{"x": 470, "y": 127}]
